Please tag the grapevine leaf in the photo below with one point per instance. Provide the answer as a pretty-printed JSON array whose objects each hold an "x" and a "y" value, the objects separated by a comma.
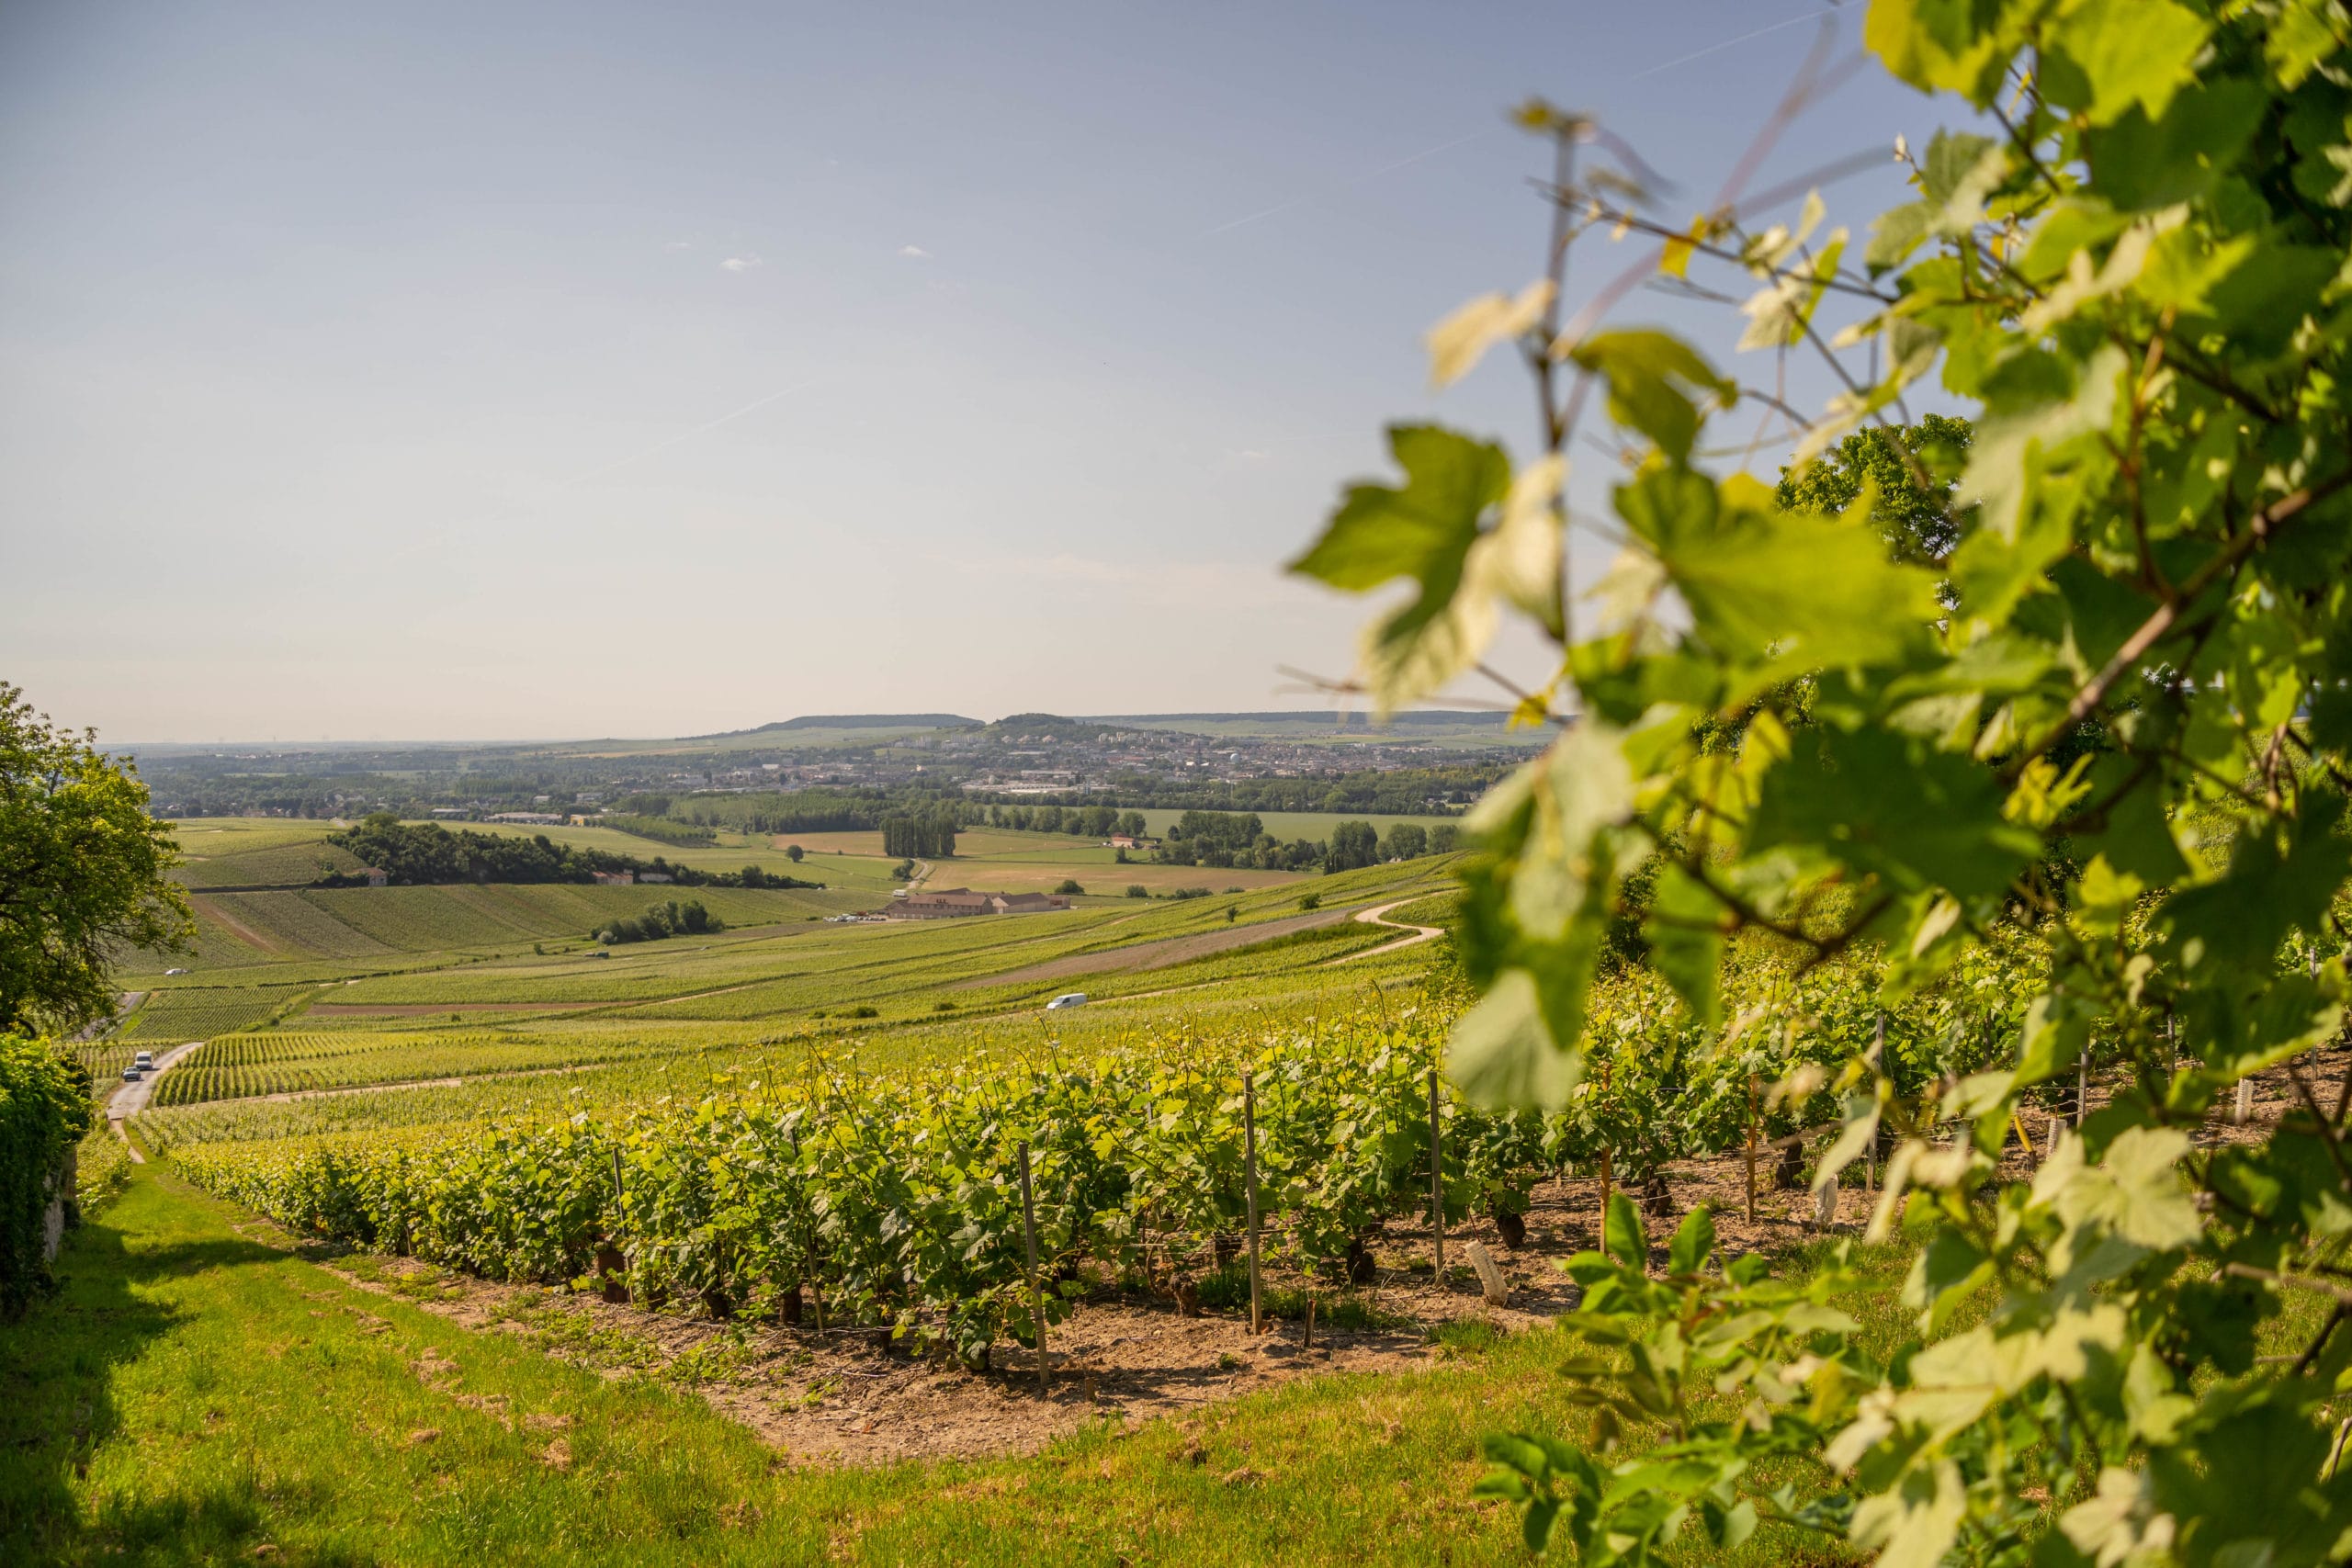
[
  {"x": 2140, "y": 164},
  {"x": 1949, "y": 45},
  {"x": 1896, "y": 234},
  {"x": 1623, "y": 1236},
  {"x": 1423, "y": 530},
  {"x": 1380, "y": 533},
  {"x": 1686, "y": 937},
  {"x": 1778, "y": 590},
  {"x": 2280, "y": 879},
  {"x": 2110, "y": 56},
  {"x": 1890, "y": 806},
  {"x": 1503, "y": 1051},
  {"x": 1656, "y": 385},
  {"x": 1913, "y": 1525},
  {"x": 1458, "y": 341},
  {"x": 1693, "y": 1243}
]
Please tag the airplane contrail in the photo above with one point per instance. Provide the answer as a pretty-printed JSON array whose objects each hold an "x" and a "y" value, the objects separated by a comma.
[
  {"x": 1349, "y": 185},
  {"x": 1733, "y": 43}
]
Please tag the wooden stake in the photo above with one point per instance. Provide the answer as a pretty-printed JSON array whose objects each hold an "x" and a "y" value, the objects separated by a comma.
[
  {"x": 1751, "y": 1148},
  {"x": 1249, "y": 1173},
  {"x": 1878, "y": 1060},
  {"x": 1309, "y": 1343},
  {"x": 2082, "y": 1086},
  {"x": 1036, "y": 1296},
  {"x": 1601, "y": 1235},
  {"x": 1436, "y": 1185}
]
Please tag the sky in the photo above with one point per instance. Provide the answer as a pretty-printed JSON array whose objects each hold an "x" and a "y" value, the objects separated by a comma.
[{"x": 437, "y": 371}]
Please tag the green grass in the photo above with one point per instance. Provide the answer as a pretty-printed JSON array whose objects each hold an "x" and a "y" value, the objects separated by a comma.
[{"x": 194, "y": 1395}]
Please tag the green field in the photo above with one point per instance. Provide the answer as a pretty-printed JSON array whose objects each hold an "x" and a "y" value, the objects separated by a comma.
[
  {"x": 198, "y": 1012},
  {"x": 397, "y": 956},
  {"x": 256, "y": 851}
]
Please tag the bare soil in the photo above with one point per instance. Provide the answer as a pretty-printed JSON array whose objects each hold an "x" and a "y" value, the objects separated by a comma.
[{"x": 243, "y": 932}]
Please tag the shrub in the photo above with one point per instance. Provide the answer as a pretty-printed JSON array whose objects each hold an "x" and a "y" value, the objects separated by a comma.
[
  {"x": 1069, "y": 885},
  {"x": 1137, "y": 890},
  {"x": 44, "y": 1111}
]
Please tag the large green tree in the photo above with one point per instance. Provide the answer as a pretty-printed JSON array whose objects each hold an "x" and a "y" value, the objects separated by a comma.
[
  {"x": 1910, "y": 473},
  {"x": 83, "y": 873}
]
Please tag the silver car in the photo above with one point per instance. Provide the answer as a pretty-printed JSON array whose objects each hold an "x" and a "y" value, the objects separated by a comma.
[{"x": 1067, "y": 999}]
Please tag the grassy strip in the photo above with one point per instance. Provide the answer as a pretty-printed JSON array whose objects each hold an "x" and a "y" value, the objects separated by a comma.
[{"x": 193, "y": 1396}]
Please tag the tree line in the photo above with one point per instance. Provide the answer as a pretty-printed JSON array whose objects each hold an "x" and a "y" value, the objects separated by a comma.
[
  {"x": 655, "y": 922},
  {"x": 1085, "y": 821},
  {"x": 1229, "y": 839},
  {"x": 426, "y": 854},
  {"x": 920, "y": 835}
]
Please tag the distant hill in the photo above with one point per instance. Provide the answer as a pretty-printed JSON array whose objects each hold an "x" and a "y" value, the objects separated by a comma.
[
  {"x": 852, "y": 721},
  {"x": 1445, "y": 718}
]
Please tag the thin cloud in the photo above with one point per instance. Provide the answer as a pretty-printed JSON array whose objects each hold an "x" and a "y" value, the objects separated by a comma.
[
  {"x": 739, "y": 264},
  {"x": 914, "y": 253}
]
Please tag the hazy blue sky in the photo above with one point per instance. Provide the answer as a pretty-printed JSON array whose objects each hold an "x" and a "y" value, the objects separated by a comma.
[{"x": 428, "y": 370}]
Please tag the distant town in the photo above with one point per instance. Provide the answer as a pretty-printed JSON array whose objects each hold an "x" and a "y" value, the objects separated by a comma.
[{"x": 1434, "y": 763}]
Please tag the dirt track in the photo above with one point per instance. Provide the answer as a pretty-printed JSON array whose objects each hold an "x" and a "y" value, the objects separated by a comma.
[
  {"x": 237, "y": 928},
  {"x": 1379, "y": 916}
]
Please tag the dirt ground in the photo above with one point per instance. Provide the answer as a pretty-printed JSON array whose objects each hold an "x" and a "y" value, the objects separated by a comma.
[{"x": 845, "y": 1397}]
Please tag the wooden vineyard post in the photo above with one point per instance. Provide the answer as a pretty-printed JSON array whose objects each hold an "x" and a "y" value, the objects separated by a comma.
[
  {"x": 1249, "y": 1183},
  {"x": 1600, "y": 1229},
  {"x": 1751, "y": 1148},
  {"x": 815, "y": 1285},
  {"x": 1878, "y": 1060},
  {"x": 2082, "y": 1086},
  {"x": 1036, "y": 1296},
  {"x": 609, "y": 1290},
  {"x": 1437, "y": 1186}
]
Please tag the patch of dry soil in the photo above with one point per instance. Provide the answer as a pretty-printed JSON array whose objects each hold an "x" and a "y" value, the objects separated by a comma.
[{"x": 848, "y": 1397}]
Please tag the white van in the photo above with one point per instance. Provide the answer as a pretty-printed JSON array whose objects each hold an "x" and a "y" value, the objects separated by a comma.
[
  {"x": 1067, "y": 999},
  {"x": 145, "y": 1059}
]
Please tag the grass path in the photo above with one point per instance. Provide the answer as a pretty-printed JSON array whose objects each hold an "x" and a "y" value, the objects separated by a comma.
[{"x": 195, "y": 1395}]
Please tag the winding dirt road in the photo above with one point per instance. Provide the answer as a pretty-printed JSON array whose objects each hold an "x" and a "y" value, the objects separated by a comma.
[{"x": 1376, "y": 916}]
